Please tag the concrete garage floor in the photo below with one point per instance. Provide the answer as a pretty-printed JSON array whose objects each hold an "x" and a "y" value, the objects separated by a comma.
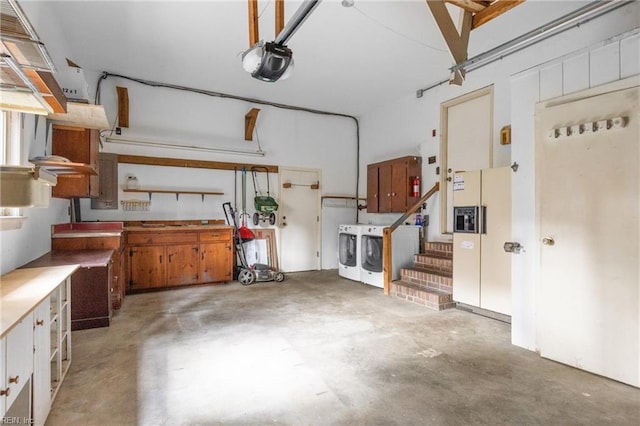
[{"x": 316, "y": 350}]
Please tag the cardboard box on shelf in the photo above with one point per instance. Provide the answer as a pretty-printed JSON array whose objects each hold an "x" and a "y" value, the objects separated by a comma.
[{"x": 73, "y": 82}]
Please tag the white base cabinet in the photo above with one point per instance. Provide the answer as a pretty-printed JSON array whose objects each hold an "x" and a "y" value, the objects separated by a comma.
[{"x": 35, "y": 347}]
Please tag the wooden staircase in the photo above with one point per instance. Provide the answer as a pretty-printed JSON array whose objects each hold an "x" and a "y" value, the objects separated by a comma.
[{"x": 429, "y": 282}]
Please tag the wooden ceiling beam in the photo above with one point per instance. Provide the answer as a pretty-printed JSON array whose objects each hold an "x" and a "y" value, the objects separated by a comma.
[
  {"x": 279, "y": 16},
  {"x": 470, "y": 5},
  {"x": 496, "y": 9},
  {"x": 254, "y": 35},
  {"x": 457, "y": 41}
]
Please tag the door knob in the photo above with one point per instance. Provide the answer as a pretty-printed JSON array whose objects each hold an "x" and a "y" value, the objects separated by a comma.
[
  {"x": 284, "y": 221},
  {"x": 449, "y": 179},
  {"x": 548, "y": 241}
]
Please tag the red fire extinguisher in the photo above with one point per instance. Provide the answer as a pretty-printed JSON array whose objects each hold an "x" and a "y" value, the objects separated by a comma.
[{"x": 415, "y": 191}]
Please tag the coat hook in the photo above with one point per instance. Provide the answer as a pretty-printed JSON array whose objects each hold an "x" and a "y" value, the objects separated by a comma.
[{"x": 515, "y": 166}]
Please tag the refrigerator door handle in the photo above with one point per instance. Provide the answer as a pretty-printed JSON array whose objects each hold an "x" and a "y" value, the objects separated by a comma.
[{"x": 483, "y": 219}]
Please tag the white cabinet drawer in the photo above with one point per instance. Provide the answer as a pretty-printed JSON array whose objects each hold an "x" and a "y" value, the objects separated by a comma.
[{"x": 19, "y": 350}]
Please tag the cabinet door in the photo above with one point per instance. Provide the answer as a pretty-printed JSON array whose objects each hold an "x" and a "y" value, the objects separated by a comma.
[
  {"x": 399, "y": 187},
  {"x": 19, "y": 357},
  {"x": 147, "y": 267},
  {"x": 373, "y": 196},
  {"x": 108, "y": 183},
  {"x": 79, "y": 146},
  {"x": 216, "y": 262},
  {"x": 42, "y": 363},
  {"x": 182, "y": 264},
  {"x": 385, "y": 188}
]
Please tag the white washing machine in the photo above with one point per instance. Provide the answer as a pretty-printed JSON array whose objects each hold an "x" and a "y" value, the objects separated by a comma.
[
  {"x": 349, "y": 251},
  {"x": 405, "y": 244}
]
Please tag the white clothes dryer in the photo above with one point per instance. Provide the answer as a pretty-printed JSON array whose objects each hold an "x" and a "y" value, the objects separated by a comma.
[
  {"x": 349, "y": 251},
  {"x": 405, "y": 245}
]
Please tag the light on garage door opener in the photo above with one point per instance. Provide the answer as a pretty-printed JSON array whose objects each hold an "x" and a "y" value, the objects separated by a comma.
[{"x": 272, "y": 61}]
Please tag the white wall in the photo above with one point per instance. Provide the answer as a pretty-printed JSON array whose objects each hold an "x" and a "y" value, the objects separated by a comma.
[
  {"x": 20, "y": 246},
  {"x": 289, "y": 138},
  {"x": 404, "y": 128}
]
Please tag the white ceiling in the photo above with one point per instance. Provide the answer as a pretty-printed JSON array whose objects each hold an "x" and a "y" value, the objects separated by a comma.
[{"x": 347, "y": 60}]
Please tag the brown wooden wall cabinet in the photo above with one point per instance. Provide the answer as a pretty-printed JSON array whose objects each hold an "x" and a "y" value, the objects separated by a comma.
[
  {"x": 174, "y": 257},
  {"x": 389, "y": 184},
  {"x": 79, "y": 146}
]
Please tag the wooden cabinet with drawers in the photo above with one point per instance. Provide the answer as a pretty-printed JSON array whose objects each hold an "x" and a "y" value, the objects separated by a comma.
[
  {"x": 389, "y": 184},
  {"x": 171, "y": 258}
]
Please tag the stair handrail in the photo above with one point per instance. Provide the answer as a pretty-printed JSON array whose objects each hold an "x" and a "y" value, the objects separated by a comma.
[{"x": 386, "y": 235}]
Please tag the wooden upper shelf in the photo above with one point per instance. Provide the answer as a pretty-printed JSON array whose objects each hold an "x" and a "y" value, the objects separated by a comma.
[{"x": 65, "y": 168}]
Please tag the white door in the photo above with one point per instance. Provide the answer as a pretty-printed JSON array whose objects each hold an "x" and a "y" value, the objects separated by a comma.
[
  {"x": 466, "y": 142},
  {"x": 299, "y": 220},
  {"x": 588, "y": 202}
]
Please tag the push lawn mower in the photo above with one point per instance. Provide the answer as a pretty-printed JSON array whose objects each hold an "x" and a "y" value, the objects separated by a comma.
[
  {"x": 266, "y": 206},
  {"x": 258, "y": 272}
]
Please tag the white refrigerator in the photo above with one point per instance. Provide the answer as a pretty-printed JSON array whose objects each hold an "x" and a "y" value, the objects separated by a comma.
[{"x": 482, "y": 224}]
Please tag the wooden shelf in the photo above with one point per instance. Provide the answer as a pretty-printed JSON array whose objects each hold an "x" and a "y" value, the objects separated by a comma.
[
  {"x": 348, "y": 198},
  {"x": 173, "y": 191},
  {"x": 65, "y": 168},
  {"x": 342, "y": 197}
]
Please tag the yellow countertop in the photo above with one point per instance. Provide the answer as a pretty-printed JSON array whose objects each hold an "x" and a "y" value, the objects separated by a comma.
[{"x": 21, "y": 290}]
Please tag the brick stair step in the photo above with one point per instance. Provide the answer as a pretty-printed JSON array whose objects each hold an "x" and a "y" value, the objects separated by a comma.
[
  {"x": 437, "y": 255},
  {"x": 425, "y": 272},
  {"x": 435, "y": 263},
  {"x": 436, "y": 248},
  {"x": 431, "y": 298},
  {"x": 427, "y": 279}
]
